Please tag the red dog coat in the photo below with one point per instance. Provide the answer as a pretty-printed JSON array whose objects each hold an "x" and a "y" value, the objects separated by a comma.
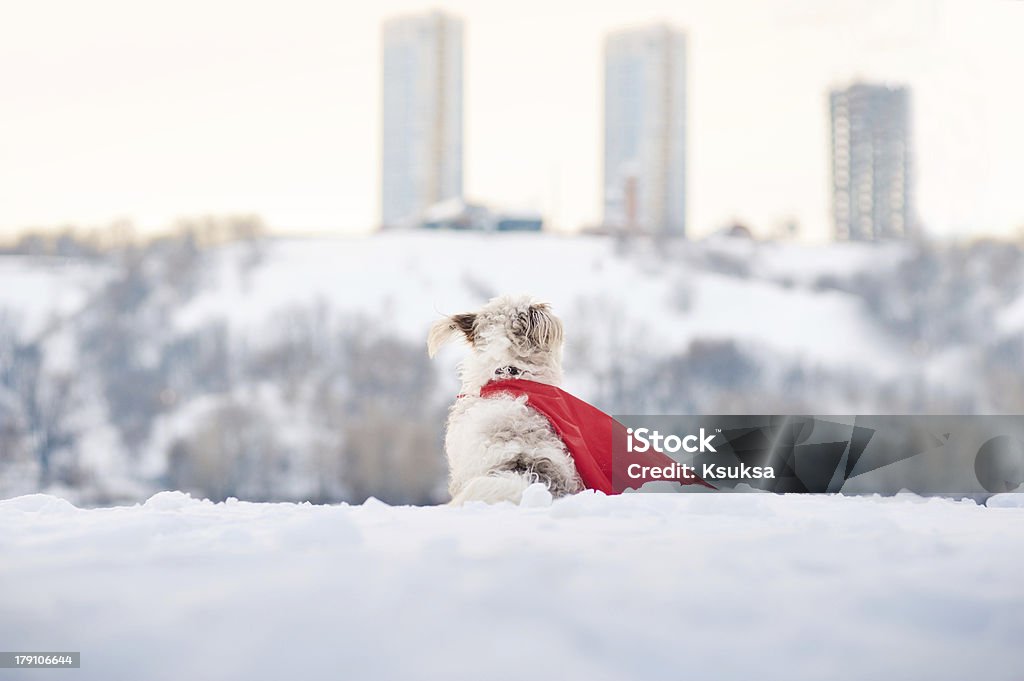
[{"x": 591, "y": 436}]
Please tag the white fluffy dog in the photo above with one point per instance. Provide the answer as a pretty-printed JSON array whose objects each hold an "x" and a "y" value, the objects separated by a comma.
[{"x": 498, "y": 446}]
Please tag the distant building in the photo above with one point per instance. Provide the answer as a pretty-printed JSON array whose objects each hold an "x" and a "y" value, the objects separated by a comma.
[
  {"x": 871, "y": 162},
  {"x": 518, "y": 221},
  {"x": 645, "y": 131},
  {"x": 458, "y": 215},
  {"x": 422, "y": 115}
]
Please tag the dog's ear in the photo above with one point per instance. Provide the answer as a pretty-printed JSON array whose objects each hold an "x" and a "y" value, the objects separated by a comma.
[
  {"x": 443, "y": 330},
  {"x": 538, "y": 327},
  {"x": 545, "y": 327}
]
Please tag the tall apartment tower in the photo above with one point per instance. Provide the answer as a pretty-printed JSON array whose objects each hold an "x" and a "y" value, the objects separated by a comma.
[
  {"x": 421, "y": 88},
  {"x": 645, "y": 131},
  {"x": 871, "y": 162}
]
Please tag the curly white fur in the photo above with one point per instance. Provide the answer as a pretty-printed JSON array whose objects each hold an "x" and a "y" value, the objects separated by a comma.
[{"x": 498, "y": 446}]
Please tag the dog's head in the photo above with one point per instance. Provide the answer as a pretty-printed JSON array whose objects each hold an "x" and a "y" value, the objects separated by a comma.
[{"x": 511, "y": 337}]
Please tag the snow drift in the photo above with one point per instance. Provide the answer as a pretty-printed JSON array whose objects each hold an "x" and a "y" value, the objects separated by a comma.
[{"x": 589, "y": 587}]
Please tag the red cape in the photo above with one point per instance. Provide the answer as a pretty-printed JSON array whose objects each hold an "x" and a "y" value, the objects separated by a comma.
[{"x": 591, "y": 436}]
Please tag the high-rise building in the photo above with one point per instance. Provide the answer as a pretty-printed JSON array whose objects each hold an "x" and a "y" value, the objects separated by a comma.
[
  {"x": 871, "y": 162},
  {"x": 421, "y": 89},
  {"x": 645, "y": 131}
]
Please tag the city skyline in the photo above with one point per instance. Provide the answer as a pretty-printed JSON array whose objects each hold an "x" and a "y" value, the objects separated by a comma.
[
  {"x": 421, "y": 105},
  {"x": 114, "y": 119},
  {"x": 645, "y": 130},
  {"x": 872, "y": 160}
]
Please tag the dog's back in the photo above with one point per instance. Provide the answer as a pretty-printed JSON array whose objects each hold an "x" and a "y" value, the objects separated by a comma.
[{"x": 498, "y": 446}]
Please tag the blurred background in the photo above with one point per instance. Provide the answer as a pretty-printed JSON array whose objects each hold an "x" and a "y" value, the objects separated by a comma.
[{"x": 225, "y": 229}]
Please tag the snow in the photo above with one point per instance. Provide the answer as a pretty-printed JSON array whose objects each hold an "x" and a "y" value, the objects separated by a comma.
[
  {"x": 536, "y": 495},
  {"x": 410, "y": 278},
  {"x": 1010, "y": 320},
  {"x": 790, "y": 321},
  {"x": 651, "y": 586},
  {"x": 1007, "y": 500},
  {"x": 841, "y": 260},
  {"x": 35, "y": 291}
]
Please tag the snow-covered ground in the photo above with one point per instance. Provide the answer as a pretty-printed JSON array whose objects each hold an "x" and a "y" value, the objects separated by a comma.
[
  {"x": 118, "y": 373},
  {"x": 36, "y": 292},
  {"x": 701, "y": 586},
  {"x": 408, "y": 278}
]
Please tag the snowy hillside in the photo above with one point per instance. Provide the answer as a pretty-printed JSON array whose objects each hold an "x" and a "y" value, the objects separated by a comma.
[
  {"x": 702, "y": 586},
  {"x": 403, "y": 281},
  {"x": 277, "y": 369}
]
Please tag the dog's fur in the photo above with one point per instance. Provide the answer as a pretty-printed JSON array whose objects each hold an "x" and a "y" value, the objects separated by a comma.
[{"x": 498, "y": 446}]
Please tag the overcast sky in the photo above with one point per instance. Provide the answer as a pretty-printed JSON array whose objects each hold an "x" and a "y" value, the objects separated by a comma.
[{"x": 151, "y": 110}]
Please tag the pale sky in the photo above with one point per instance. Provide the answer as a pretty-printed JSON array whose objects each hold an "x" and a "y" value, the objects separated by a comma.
[{"x": 151, "y": 110}]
